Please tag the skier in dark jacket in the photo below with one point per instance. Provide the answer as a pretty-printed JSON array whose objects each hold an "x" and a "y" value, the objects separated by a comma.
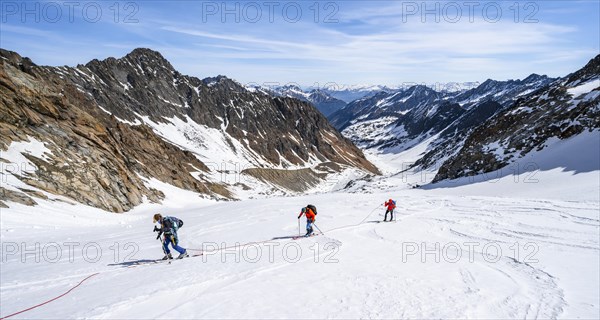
[{"x": 168, "y": 227}]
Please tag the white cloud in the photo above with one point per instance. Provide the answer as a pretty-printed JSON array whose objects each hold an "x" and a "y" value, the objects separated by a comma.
[
  {"x": 474, "y": 47},
  {"x": 370, "y": 44}
]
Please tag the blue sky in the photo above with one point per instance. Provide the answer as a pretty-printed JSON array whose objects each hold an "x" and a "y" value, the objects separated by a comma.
[{"x": 316, "y": 42}]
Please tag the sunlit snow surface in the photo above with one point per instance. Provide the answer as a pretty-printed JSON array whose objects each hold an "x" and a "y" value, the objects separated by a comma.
[
  {"x": 584, "y": 88},
  {"x": 540, "y": 229}
]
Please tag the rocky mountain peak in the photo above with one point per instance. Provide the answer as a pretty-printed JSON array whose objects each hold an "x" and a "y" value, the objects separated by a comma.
[
  {"x": 148, "y": 56},
  {"x": 487, "y": 85},
  {"x": 534, "y": 77},
  {"x": 590, "y": 71},
  {"x": 23, "y": 63},
  {"x": 291, "y": 87},
  {"x": 416, "y": 91},
  {"x": 215, "y": 80},
  {"x": 141, "y": 62}
]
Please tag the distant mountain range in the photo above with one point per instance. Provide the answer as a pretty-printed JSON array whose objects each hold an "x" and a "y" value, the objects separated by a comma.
[
  {"x": 420, "y": 102},
  {"x": 332, "y": 97},
  {"x": 477, "y": 130},
  {"x": 322, "y": 100}
]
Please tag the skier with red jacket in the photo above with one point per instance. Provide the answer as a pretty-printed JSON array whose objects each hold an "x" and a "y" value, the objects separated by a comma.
[
  {"x": 310, "y": 212},
  {"x": 391, "y": 205}
]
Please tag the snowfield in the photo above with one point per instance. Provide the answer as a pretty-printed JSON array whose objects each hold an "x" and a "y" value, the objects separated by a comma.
[{"x": 500, "y": 248}]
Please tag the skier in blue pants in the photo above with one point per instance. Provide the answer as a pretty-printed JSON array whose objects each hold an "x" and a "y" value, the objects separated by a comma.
[
  {"x": 169, "y": 227},
  {"x": 310, "y": 213}
]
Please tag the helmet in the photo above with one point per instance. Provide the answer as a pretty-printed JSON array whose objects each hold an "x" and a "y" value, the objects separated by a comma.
[
  {"x": 304, "y": 210},
  {"x": 157, "y": 217},
  {"x": 391, "y": 199}
]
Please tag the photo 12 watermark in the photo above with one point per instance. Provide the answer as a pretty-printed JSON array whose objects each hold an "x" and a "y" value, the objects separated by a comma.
[
  {"x": 270, "y": 11},
  {"x": 16, "y": 169},
  {"x": 411, "y": 173},
  {"x": 129, "y": 253},
  {"x": 518, "y": 172},
  {"x": 270, "y": 251},
  {"x": 71, "y": 251},
  {"x": 27, "y": 12},
  {"x": 471, "y": 252},
  {"x": 469, "y": 11}
]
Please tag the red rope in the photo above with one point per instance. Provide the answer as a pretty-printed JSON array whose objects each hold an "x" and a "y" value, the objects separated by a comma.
[
  {"x": 200, "y": 250},
  {"x": 56, "y": 298}
]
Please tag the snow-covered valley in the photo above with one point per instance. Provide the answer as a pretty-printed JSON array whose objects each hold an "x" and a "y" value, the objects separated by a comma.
[{"x": 503, "y": 248}]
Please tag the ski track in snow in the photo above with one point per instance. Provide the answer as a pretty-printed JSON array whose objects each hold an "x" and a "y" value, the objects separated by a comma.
[{"x": 370, "y": 279}]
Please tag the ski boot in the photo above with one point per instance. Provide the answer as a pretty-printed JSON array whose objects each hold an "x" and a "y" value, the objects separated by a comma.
[
  {"x": 167, "y": 256},
  {"x": 183, "y": 255}
]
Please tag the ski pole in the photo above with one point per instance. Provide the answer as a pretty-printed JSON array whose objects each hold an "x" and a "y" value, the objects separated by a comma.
[
  {"x": 162, "y": 244},
  {"x": 318, "y": 228},
  {"x": 299, "y": 232},
  {"x": 370, "y": 213}
]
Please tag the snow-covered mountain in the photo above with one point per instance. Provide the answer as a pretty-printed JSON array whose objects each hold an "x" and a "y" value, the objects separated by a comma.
[
  {"x": 104, "y": 129},
  {"x": 503, "y": 92},
  {"x": 349, "y": 93},
  {"x": 567, "y": 107},
  {"x": 476, "y": 131},
  {"x": 326, "y": 103},
  {"x": 400, "y": 119},
  {"x": 499, "y": 126},
  {"x": 323, "y": 101},
  {"x": 393, "y": 104},
  {"x": 332, "y": 98}
]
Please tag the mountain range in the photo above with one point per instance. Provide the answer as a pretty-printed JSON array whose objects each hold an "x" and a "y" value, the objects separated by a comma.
[
  {"x": 479, "y": 130},
  {"x": 112, "y": 132},
  {"x": 111, "y": 127}
]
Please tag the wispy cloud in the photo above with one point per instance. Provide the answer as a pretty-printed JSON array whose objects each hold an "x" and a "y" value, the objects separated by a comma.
[
  {"x": 370, "y": 43},
  {"x": 400, "y": 49}
]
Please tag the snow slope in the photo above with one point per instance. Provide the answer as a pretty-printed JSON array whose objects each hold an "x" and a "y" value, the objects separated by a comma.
[
  {"x": 504, "y": 250},
  {"x": 564, "y": 168}
]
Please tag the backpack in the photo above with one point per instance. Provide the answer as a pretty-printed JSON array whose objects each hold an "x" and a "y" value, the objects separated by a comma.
[
  {"x": 178, "y": 223},
  {"x": 313, "y": 208}
]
